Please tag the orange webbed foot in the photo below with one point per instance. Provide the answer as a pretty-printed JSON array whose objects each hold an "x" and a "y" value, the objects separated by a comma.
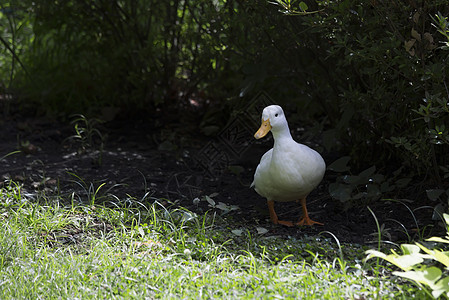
[
  {"x": 285, "y": 223},
  {"x": 305, "y": 219},
  {"x": 308, "y": 222}
]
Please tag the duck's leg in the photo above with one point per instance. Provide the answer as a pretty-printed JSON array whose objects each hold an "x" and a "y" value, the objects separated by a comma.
[
  {"x": 274, "y": 217},
  {"x": 305, "y": 220}
]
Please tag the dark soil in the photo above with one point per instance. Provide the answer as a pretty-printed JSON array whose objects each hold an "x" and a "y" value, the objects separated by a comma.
[{"x": 143, "y": 162}]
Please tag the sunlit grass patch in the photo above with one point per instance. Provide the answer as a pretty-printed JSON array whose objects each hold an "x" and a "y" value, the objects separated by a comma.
[{"x": 52, "y": 249}]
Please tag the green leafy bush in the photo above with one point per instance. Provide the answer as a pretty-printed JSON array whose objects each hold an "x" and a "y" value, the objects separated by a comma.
[
  {"x": 15, "y": 39},
  {"x": 127, "y": 54},
  {"x": 377, "y": 72},
  {"x": 365, "y": 187}
]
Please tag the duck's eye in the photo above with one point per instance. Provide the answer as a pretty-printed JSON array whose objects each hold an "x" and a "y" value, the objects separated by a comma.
[{"x": 276, "y": 115}]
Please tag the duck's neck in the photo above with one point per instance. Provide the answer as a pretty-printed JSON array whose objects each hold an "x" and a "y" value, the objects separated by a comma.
[{"x": 282, "y": 134}]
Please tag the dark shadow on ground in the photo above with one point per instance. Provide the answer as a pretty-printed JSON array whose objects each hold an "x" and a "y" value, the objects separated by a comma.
[{"x": 140, "y": 159}]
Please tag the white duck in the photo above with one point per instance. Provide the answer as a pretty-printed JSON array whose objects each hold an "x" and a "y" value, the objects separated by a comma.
[{"x": 289, "y": 171}]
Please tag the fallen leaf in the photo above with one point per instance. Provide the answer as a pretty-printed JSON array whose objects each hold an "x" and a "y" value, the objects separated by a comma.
[
  {"x": 261, "y": 230},
  {"x": 340, "y": 165},
  {"x": 237, "y": 232},
  {"x": 210, "y": 200}
]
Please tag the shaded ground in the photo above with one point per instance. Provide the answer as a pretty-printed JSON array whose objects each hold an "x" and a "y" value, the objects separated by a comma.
[{"x": 143, "y": 163}]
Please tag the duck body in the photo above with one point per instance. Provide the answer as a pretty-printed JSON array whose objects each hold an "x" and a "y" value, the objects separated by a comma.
[
  {"x": 289, "y": 171},
  {"x": 288, "y": 174}
]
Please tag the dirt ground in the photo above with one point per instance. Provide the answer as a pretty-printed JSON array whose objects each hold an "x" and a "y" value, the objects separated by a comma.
[{"x": 145, "y": 162}]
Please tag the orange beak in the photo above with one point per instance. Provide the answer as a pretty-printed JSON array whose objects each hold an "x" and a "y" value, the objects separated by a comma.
[{"x": 263, "y": 130}]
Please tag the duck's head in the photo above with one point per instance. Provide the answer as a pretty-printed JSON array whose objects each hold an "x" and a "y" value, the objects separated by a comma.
[{"x": 273, "y": 119}]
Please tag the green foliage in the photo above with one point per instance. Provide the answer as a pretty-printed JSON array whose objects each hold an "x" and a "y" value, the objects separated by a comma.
[
  {"x": 129, "y": 54},
  {"x": 365, "y": 187},
  {"x": 292, "y": 7},
  {"x": 442, "y": 26},
  {"x": 11, "y": 153},
  {"x": 374, "y": 84},
  {"x": 15, "y": 39},
  {"x": 425, "y": 264},
  {"x": 376, "y": 71},
  {"x": 88, "y": 135}
]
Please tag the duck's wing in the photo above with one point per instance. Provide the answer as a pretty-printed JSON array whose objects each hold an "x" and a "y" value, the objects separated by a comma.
[{"x": 263, "y": 166}]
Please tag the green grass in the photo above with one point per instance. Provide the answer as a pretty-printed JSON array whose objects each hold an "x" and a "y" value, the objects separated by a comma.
[{"x": 51, "y": 248}]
